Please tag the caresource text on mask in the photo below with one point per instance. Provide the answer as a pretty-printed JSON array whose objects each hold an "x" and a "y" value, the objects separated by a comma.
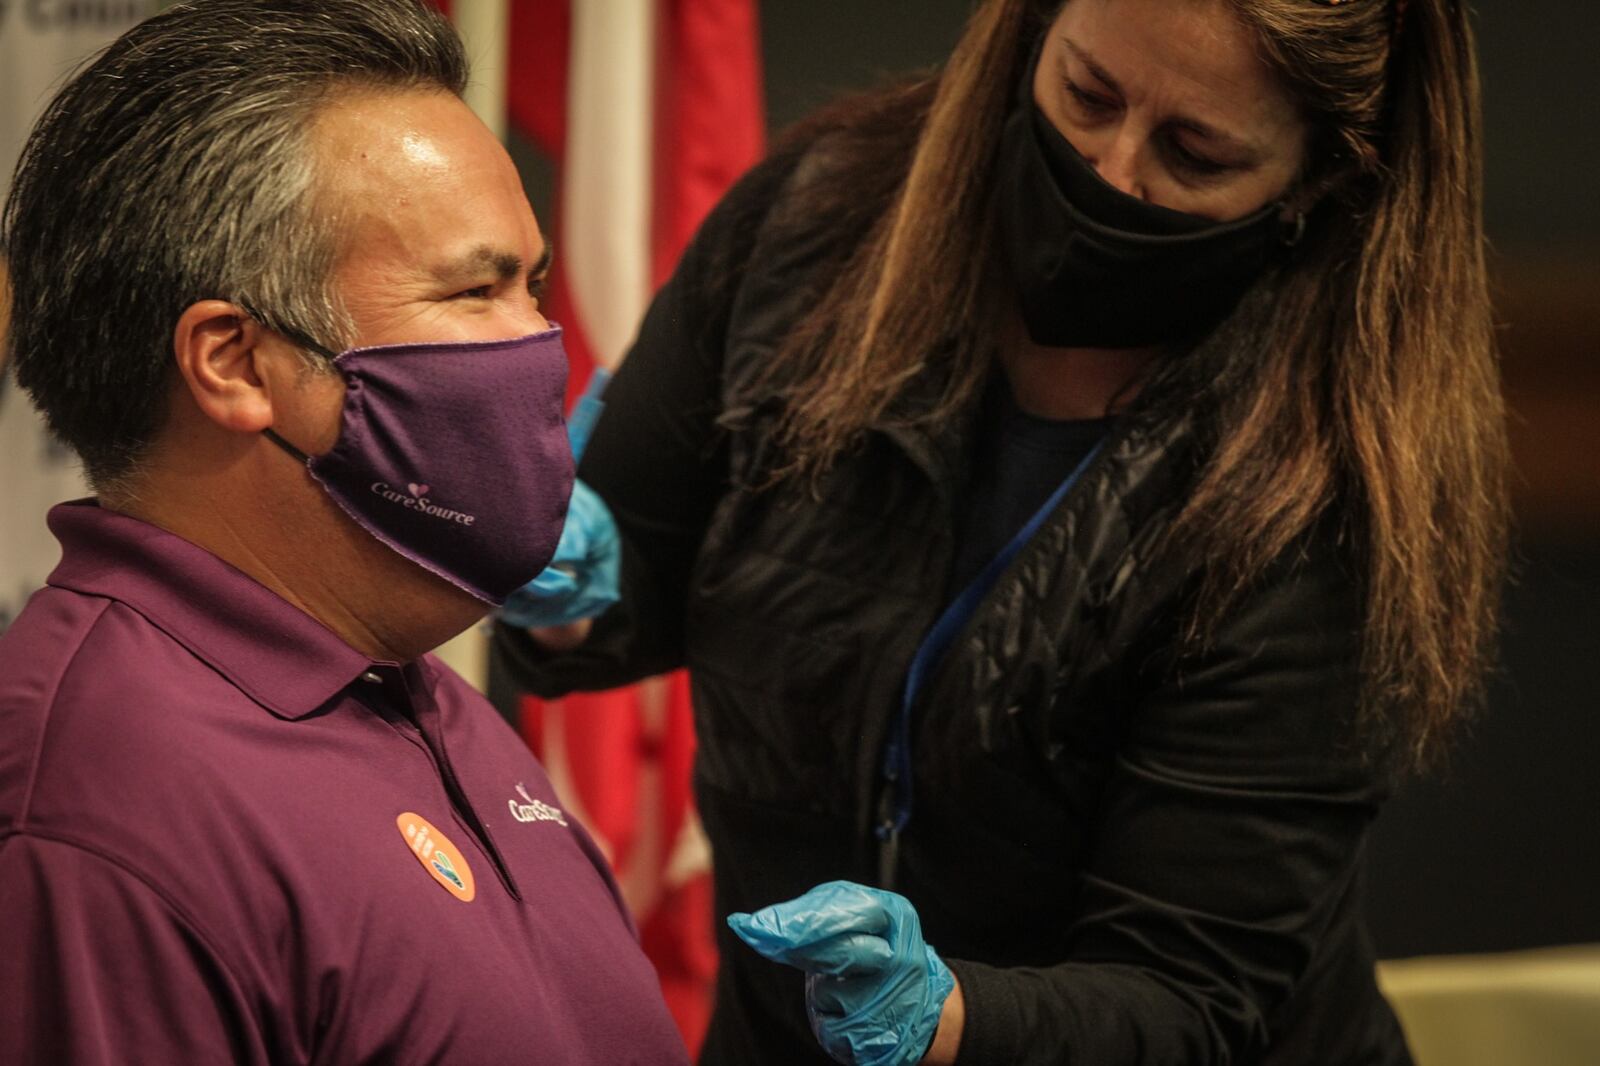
[{"x": 418, "y": 502}]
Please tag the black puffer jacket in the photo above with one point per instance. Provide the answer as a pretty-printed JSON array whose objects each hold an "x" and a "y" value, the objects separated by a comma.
[{"x": 1127, "y": 856}]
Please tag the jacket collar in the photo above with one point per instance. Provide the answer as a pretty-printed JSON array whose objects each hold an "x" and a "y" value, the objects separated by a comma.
[{"x": 941, "y": 450}]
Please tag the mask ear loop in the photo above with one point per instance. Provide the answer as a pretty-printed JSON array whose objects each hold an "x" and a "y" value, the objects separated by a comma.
[
  {"x": 289, "y": 332},
  {"x": 303, "y": 341},
  {"x": 294, "y": 453}
]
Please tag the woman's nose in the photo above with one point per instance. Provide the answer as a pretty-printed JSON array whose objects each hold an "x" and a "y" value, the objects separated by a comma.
[{"x": 1115, "y": 157}]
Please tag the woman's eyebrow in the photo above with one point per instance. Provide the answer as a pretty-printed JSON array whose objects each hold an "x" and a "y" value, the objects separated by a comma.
[
  {"x": 1094, "y": 66},
  {"x": 1227, "y": 141}
]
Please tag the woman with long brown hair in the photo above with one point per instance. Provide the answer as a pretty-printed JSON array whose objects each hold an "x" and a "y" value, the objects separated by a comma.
[{"x": 1076, "y": 482}]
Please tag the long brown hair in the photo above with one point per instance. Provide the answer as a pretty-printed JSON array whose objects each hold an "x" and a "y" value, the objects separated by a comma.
[{"x": 1358, "y": 380}]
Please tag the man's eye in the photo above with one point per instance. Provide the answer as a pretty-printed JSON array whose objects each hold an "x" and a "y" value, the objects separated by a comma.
[
  {"x": 537, "y": 287},
  {"x": 480, "y": 292}
]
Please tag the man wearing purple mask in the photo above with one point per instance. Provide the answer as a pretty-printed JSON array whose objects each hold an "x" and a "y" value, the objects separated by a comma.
[{"x": 279, "y": 289}]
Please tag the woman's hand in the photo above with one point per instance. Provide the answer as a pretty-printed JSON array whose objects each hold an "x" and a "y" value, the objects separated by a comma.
[
  {"x": 557, "y": 639},
  {"x": 876, "y": 993},
  {"x": 947, "y": 1040},
  {"x": 581, "y": 581}
]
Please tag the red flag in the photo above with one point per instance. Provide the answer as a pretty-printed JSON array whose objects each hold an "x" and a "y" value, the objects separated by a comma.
[
  {"x": 650, "y": 109},
  {"x": 710, "y": 122}
]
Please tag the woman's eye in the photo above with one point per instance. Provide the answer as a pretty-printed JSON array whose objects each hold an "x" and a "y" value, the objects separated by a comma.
[
  {"x": 1092, "y": 103},
  {"x": 1199, "y": 165}
]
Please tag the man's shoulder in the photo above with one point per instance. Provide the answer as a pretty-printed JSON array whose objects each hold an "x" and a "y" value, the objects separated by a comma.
[
  {"x": 88, "y": 694},
  {"x": 120, "y": 745},
  {"x": 68, "y": 646},
  {"x": 47, "y": 633}
]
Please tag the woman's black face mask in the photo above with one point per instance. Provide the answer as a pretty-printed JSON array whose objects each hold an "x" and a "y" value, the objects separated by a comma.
[{"x": 1097, "y": 268}]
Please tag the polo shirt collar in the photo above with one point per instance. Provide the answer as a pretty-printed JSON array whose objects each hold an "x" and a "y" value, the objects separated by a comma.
[{"x": 275, "y": 653}]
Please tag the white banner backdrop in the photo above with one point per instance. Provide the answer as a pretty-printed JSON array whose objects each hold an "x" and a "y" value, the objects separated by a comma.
[{"x": 41, "y": 41}]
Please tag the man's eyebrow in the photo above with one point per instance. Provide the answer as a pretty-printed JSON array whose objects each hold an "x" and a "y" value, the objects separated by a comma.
[
  {"x": 504, "y": 264},
  {"x": 1204, "y": 129}
]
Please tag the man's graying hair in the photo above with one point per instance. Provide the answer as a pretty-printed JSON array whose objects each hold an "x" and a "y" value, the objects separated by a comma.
[{"x": 176, "y": 167}]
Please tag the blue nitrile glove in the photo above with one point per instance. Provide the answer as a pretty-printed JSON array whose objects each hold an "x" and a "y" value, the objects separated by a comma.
[
  {"x": 874, "y": 989},
  {"x": 586, "y": 412},
  {"x": 581, "y": 580}
]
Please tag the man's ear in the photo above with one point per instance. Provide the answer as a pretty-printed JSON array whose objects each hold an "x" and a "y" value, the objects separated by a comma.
[{"x": 221, "y": 352}]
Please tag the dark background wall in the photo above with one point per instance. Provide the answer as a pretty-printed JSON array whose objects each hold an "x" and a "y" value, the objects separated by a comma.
[{"x": 1503, "y": 849}]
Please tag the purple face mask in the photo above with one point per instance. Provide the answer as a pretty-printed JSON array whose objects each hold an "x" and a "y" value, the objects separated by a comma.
[{"x": 455, "y": 455}]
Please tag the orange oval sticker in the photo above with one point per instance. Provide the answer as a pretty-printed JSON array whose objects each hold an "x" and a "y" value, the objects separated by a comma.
[{"x": 442, "y": 859}]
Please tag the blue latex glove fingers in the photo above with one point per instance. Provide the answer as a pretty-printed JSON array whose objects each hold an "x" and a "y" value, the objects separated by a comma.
[
  {"x": 842, "y": 955},
  {"x": 587, "y": 412},
  {"x": 835, "y": 928},
  {"x": 852, "y": 1035},
  {"x": 556, "y": 581},
  {"x": 835, "y": 997},
  {"x": 841, "y": 995},
  {"x": 876, "y": 1022},
  {"x": 847, "y": 955},
  {"x": 874, "y": 989},
  {"x": 582, "y": 579},
  {"x": 559, "y": 580}
]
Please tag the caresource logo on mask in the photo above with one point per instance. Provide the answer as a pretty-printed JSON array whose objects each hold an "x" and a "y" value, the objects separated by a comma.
[{"x": 416, "y": 498}]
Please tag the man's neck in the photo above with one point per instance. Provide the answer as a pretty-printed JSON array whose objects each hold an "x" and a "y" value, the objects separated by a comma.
[{"x": 315, "y": 558}]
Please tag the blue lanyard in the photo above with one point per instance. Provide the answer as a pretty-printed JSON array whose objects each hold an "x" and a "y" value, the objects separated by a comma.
[{"x": 897, "y": 753}]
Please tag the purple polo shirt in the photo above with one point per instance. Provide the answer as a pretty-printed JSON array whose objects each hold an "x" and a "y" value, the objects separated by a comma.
[{"x": 226, "y": 836}]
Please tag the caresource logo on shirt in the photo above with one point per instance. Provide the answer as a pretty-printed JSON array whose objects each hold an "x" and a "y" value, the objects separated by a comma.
[
  {"x": 535, "y": 810},
  {"x": 416, "y": 498}
]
